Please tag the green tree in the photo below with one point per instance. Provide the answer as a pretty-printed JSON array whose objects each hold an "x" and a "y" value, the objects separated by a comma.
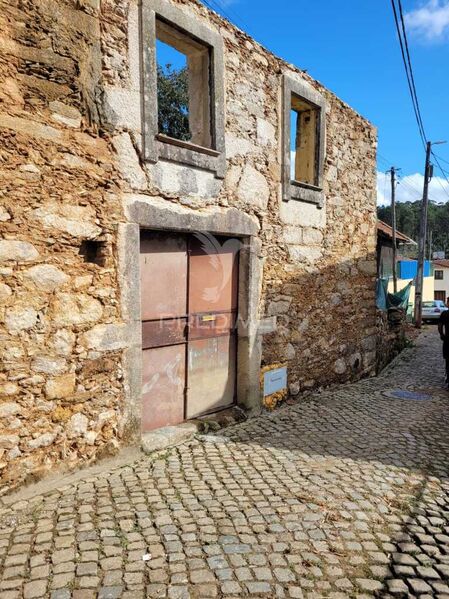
[
  {"x": 408, "y": 216},
  {"x": 173, "y": 102}
]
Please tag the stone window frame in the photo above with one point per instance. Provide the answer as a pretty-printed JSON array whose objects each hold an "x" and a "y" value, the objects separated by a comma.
[
  {"x": 296, "y": 190},
  {"x": 155, "y": 148}
]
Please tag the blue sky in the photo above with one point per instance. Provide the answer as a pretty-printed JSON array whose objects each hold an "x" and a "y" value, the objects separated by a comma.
[{"x": 352, "y": 48}]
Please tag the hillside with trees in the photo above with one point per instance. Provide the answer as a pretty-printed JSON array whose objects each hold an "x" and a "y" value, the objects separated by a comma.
[{"x": 407, "y": 217}]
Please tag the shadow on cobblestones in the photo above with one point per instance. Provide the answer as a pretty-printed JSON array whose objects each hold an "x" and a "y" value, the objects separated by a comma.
[
  {"x": 419, "y": 561},
  {"x": 342, "y": 495}
]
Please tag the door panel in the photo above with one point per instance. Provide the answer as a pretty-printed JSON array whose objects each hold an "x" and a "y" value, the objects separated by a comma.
[
  {"x": 157, "y": 333},
  {"x": 189, "y": 311},
  {"x": 163, "y": 267},
  {"x": 163, "y": 386},
  {"x": 211, "y": 375},
  {"x": 213, "y": 276}
]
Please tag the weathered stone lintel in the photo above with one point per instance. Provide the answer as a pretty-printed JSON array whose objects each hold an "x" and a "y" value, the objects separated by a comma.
[{"x": 154, "y": 213}]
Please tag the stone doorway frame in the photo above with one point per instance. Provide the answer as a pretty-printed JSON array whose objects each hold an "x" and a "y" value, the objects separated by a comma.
[{"x": 166, "y": 216}]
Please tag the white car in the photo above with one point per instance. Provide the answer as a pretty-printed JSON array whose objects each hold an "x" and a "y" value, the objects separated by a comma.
[{"x": 431, "y": 311}]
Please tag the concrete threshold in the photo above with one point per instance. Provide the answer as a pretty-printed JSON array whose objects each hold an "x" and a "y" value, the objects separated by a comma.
[{"x": 168, "y": 436}]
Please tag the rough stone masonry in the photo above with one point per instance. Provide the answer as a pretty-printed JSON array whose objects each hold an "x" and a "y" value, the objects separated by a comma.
[{"x": 73, "y": 176}]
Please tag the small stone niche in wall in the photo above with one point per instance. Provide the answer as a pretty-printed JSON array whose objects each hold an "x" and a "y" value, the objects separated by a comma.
[{"x": 94, "y": 252}]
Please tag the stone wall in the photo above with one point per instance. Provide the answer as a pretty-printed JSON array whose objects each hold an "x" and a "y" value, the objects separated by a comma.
[
  {"x": 392, "y": 336},
  {"x": 59, "y": 400},
  {"x": 71, "y": 171}
]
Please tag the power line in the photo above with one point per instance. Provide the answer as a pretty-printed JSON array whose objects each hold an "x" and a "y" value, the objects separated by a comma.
[
  {"x": 444, "y": 175},
  {"x": 437, "y": 159},
  {"x": 233, "y": 17},
  {"x": 442, "y": 159},
  {"x": 217, "y": 6},
  {"x": 383, "y": 159},
  {"x": 408, "y": 185},
  {"x": 409, "y": 62},
  {"x": 233, "y": 12},
  {"x": 402, "y": 35},
  {"x": 411, "y": 82}
]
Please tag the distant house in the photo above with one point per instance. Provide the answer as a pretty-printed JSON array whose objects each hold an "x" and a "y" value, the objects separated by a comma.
[
  {"x": 441, "y": 279},
  {"x": 406, "y": 269},
  {"x": 385, "y": 248}
]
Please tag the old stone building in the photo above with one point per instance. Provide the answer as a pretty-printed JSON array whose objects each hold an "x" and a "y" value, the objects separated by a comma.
[{"x": 262, "y": 219}]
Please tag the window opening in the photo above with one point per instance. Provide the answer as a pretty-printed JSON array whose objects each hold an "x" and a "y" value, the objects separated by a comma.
[
  {"x": 304, "y": 123},
  {"x": 183, "y": 86}
]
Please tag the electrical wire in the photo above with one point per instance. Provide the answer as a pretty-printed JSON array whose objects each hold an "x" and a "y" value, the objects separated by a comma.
[
  {"x": 437, "y": 160},
  {"x": 402, "y": 35},
  {"x": 409, "y": 62},
  {"x": 411, "y": 188},
  {"x": 446, "y": 191},
  {"x": 404, "y": 183},
  {"x": 233, "y": 17},
  {"x": 440, "y": 158},
  {"x": 217, "y": 6},
  {"x": 385, "y": 187}
]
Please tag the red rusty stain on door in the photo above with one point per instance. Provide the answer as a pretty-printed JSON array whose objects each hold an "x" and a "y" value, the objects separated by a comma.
[{"x": 189, "y": 310}]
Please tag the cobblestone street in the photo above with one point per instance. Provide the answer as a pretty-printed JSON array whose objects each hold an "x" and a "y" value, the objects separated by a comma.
[{"x": 344, "y": 494}]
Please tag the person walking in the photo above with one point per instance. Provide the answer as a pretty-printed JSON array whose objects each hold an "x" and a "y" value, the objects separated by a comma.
[{"x": 443, "y": 329}]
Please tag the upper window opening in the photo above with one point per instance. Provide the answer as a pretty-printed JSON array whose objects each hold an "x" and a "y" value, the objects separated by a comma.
[
  {"x": 439, "y": 275},
  {"x": 183, "y": 86},
  {"x": 304, "y": 123}
]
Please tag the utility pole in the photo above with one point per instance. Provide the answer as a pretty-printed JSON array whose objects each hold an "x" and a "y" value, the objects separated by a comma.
[
  {"x": 393, "y": 225},
  {"x": 428, "y": 172},
  {"x": 422, "y": 239},
  {"x": 430, "y": 245}
]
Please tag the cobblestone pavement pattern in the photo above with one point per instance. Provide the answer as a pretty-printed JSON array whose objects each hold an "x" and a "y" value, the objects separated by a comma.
[{"x": 344, "y": 494}]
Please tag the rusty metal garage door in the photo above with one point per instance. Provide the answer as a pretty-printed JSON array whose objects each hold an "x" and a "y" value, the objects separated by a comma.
[{"x": 189, "y": 287}]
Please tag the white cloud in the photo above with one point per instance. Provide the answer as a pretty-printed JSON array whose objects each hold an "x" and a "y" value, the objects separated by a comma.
[
  {"x": 430, "y": 22},
  {"x": 410, "y": 189}
]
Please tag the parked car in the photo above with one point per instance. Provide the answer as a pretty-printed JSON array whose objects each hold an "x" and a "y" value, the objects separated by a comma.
[{"x": 431, "y": 311}]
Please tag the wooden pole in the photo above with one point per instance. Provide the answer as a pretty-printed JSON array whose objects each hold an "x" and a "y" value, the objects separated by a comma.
[{"x": 422, "y": 240}]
